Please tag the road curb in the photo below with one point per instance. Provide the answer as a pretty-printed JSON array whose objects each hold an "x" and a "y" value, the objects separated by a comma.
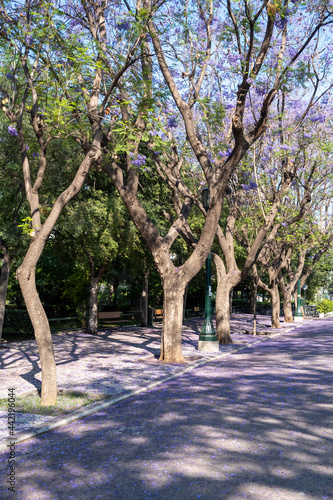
[{"x": 109, "y": 401}]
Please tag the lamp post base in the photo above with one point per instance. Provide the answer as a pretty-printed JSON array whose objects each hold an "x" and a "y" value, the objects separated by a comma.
[
  {"x": 209, "y": 345},
  {"x": 298, "y": 319}
]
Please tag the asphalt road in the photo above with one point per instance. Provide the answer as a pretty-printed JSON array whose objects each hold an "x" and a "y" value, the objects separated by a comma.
[{"x": 255, "y": 425}]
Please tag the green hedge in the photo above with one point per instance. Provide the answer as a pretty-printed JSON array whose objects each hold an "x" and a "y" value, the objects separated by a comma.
[
  {"x": 324, "y": 306},
  {"x": 17, "y": 321}
]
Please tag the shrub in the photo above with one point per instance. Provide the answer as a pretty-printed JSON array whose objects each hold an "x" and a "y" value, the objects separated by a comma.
[
  {"x": 324, "y": 306},
  {"x": 17, "y": 321}
]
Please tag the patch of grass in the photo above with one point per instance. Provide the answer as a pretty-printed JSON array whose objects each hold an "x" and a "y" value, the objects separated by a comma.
[{"x": 67, "y": 401}]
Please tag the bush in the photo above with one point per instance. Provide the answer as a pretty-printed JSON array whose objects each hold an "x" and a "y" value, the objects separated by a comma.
[
  {"x": 17, "y": 321},
  {"x": 324, "y": 306}
]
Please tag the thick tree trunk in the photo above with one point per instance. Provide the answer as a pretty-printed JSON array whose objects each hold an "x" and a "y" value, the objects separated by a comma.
[
  {"x": 255, "y": 283},
  {"x": 222, "y": 310},
  {"x": 223, "y": 303},
  {"x": 287, "y": 310},
  {"x": 275, "y": 304},
  {"x": 185, "y": 300},
  {"x": 93, "y": 305},
  {"x": 26, "y": 274},
  {"x": 144, "y": 299},
  {"x": 171, "y": 342},
  {"x": 4, "y": 277},
  {"x": 286, "y": 298}
]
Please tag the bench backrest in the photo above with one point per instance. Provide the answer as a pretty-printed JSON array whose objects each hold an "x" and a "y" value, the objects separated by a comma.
[
  {"x": 159, "y": 312},
  {"x": 196, "y": 309},
  {"x": 109, "y": 314}
]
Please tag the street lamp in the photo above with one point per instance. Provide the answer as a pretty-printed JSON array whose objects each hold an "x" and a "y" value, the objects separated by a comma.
[
  {"x": 208, "y": 340},
  {"x": 298, "y": 313}
]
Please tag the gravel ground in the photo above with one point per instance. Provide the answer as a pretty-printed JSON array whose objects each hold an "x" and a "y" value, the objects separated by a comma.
[
  {"x": 113, "y": 363},
  {"x": 257, "y": 425}
]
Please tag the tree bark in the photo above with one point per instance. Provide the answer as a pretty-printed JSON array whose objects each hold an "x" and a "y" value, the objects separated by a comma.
[
  {"x": 93, "y": 305},
  {"x": 4, "y": 277},
  {"x": 185, "y": 301},
  {"x": 95, "y": 278},
  {"x": 26, "y": 275},
  {"x": 222, "y": 310},
  {"x": 286, "y": 298},
  {"x": 27, "y": 280},
  {"x": 287, "y": 309},
  {"x": 275, "y": 304},
  {"x": 171, "y": 342},
  {"x": 223, "y": 304}
]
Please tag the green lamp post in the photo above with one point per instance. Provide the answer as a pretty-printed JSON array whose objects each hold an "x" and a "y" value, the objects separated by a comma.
[
  {"x": 298, "y": 313},
  {"x": 208, "y": 340}
]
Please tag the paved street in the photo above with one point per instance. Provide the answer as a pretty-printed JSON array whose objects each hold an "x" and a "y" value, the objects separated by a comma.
[{"x": 256, "y": 424}]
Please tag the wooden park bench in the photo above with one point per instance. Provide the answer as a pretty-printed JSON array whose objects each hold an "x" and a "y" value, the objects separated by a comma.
[
  {"x": 111, "y": 316},
  {"x": 197, "y": 311},
  {"x": 158, "y": 313}
]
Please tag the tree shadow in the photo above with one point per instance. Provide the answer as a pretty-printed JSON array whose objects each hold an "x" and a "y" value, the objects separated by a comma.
[{"x": 257, "y": 425}]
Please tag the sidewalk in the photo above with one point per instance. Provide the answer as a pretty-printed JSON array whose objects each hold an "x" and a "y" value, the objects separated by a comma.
[{"x": 116, "y": 364}]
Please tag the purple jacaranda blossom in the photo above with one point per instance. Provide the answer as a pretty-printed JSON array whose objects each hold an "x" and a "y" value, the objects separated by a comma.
[
  {"x": 249, "y": 80},
  {"x": 172, "y": 122},
  {"x": 284, "y": 224},
  {"x": 9, "y": 76},
  {"x": 285, "y": 147},
  {"x": 12, "y": 130},
  {"x": 280, "y": 22},
  {"x": 27, "y": 147},
  {"x": 252, "y": 185},
  {"x": 246, "y": 187},
  {"x": 139, "y": 161},
  {"x": 35, "y": 155},
  {"x": 125, "y": 26},
  {"x": 225, "y": 153},
  {"x": 319, "y": 119},
  {"x": 233, "y": 58},
  {"x": 307, "y": 135},
  {"x": 29, "y": 40},
  {"x": 260, "y": 91}
]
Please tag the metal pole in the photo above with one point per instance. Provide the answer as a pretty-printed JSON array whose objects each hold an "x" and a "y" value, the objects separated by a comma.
[{"x": 208, "y": 338}]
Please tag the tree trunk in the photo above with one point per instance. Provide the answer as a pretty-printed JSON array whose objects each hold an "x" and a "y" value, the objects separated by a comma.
[
  {"x": 287, "y": 310},
  {"x": 275, "y": 304},
  {"x": 223, "y": 303},
  {"x": 171, "y": 342},
  {"x": 93, "y": 304},
  {"x": 4, "y": 277},
  {"x": 286, "y": 298},
  {"x": 222, "y": 310},
  {"x": 185, "y": 300},
  {"x": 26, "y": 275}
]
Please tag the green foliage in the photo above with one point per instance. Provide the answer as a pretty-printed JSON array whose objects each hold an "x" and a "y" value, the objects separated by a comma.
[
  {"x": 26, "y": 226},
  {"x": 17, "y": 321},
  {"x": 324, "y": 306}
]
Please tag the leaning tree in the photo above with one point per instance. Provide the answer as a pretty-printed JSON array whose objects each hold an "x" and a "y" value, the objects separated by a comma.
[{"x": 52, "y": 92}]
